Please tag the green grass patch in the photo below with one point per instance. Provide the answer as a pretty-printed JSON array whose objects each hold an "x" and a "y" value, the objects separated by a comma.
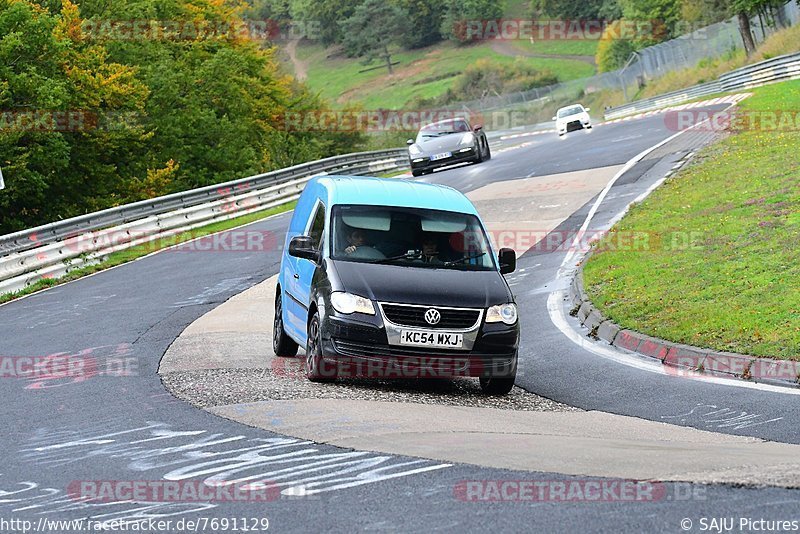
[
  {"x": 127, "y": 255},
  {"x": 424, "y": 73},
  {"x": 518, "y": 9},
  {"x": 577, "y": 47},
  {"x": 722, "y": 260}
]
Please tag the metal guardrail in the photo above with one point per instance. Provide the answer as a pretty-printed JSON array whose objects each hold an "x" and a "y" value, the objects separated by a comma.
[
  {"x": 54, "y": 249},
  {"x": 666, "y": 99},
  {"x": 777, "y": 69}
]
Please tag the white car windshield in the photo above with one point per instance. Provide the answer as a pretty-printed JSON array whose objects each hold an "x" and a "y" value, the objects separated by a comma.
[{"x": 566, "y": 112}]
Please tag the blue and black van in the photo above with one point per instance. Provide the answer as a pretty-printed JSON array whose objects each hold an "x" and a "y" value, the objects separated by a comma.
[{"x": 390, "y": 274}]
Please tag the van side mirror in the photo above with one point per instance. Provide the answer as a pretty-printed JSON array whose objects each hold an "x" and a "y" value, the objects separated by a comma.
[
  {"x": 410, "y": 142},
  {"x": 302, "y": 246},
  {"x": 554, "y": 118},
  {"x": 586, "y": 109},
  {"x": 508, "y": 260}
]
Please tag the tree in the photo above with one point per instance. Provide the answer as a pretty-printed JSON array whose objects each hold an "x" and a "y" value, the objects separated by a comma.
[
  {"x": 423, "y": 18},
  {"x": 458, "y": 12},
  {"x": 577, "y": 9},
  {"x": 612, "y": 51},
  {"x": 275, "y": 10},
  {"x": 61, "y": 167},
  {"x": 172, "y": 112},
  {"x": 325, "y": 16},
  {"x": 705, "y": 11},
  {"x": 744, "y": 10},
  {"x": 747, "y": 34},
  {"x": 664, "y": 14},
  {"x": 373, "y": 27}
]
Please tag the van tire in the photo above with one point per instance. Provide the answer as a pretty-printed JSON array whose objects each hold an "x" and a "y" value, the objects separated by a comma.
[
  {"x": 282, "y": 344},
  {"x": 497, "y": 386},
  {"x": 317, "y": 369},
  {"x": 500, "y": 385}
]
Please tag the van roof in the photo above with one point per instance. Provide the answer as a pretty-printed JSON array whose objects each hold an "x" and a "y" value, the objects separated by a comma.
[{"x": 371, "y": 191}]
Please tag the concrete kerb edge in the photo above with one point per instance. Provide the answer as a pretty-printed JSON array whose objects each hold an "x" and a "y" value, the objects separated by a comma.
[{"x": 670, "y": 354}]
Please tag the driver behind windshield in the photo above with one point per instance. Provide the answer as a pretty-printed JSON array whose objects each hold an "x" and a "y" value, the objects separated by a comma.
[{"x": 356, "y": 237}]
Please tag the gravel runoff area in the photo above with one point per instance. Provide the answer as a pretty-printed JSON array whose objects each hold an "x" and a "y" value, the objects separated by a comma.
[{"x": 286, "y": 381}]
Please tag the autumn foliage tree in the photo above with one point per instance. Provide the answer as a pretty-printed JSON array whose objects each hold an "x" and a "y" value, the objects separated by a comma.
[{"x": 166, "y": 111}]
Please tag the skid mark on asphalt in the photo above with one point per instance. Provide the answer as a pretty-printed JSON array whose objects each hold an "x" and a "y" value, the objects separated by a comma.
[
  {"x": 713, "y": 416},
  {"x": 39, "y": 316},
  {"x": 229, "y": 285},
  {"x": 159, "y": 451}
]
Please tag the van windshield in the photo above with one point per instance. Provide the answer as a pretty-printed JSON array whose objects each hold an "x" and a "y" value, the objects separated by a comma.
[{"x": 409, "y": 236}]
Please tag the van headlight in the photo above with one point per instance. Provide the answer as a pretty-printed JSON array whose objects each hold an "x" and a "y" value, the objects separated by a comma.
[
  {"x": 348, "y": 303},
  {"x": 505, "y": 313}
]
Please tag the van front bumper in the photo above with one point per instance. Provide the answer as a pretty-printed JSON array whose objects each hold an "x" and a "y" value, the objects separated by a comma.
[{"x": 361, "y": 348}]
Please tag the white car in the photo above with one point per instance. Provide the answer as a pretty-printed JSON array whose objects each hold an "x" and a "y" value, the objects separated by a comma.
[{"x": 570, "y": 118}]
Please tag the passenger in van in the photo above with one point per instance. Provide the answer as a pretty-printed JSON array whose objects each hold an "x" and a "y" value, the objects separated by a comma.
[{"x": 430, "y": 249}]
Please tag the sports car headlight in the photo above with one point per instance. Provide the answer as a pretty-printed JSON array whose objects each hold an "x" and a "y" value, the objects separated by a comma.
[
  {"x": 348, "y": 303},
  {"x": 467, "y": 139},
  {"x": 505, "y": 313},
  {"x": 414, "y": 150}
]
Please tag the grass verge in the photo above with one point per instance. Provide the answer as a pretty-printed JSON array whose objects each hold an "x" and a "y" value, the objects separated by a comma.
[
  {"x": 127, "y": 255},
  {"x": 720, "y": 261}
]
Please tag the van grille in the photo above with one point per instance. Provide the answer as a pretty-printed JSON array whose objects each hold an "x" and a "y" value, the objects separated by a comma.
[{"x": 460, "y": 319}]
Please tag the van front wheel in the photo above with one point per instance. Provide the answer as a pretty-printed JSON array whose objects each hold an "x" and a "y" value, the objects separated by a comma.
[
  {"x": 500, "y": 385},
  {"x": 317, "y": 370},
  {"x": 496, "y": 386},
  {"x": 282, "y": 344}
]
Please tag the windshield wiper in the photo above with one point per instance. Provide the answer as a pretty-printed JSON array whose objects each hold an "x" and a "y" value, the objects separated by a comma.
[
  {"x": 465, "y": 258},
  {"x": 407, "y": 255}
]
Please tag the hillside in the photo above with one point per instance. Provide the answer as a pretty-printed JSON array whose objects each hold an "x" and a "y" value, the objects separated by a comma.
[
  {"x": 424, "y": 73},
  {"x": 427, "y": 73}
]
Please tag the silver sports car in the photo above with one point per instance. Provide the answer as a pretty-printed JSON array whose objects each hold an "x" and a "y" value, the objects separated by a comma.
[{"x": 445, "y": 143}]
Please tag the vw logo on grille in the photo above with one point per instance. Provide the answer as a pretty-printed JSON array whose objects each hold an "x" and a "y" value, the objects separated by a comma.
[{"x": 432, "y": 316}]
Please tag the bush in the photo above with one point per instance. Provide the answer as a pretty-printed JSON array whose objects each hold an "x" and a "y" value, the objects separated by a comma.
[
  {"x": 485, "y": 78},
  {"x": 613, "y": 52}
]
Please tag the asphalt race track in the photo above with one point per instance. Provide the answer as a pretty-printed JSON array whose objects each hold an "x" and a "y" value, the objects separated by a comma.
[{"x": 121, "y": 424}]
